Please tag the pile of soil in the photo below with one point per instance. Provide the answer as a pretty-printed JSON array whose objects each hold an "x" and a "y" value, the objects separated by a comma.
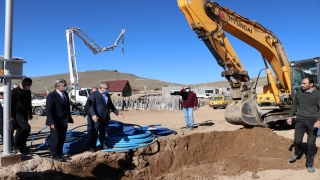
[{"x": 199, "y": 155}]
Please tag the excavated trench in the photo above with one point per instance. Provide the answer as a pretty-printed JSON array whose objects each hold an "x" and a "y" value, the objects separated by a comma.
[{"x": 196, "y": 155}]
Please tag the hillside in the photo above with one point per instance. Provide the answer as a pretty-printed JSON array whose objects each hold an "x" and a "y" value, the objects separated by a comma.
[
  {"x": 262, "y": 81},
  {"x": 93, "y": 78}
]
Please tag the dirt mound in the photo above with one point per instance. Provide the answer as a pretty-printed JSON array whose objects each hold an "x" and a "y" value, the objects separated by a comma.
[
  {"x": 193, "y": 156},
  {"x": 222, "y": 153},
  {"x": 94, "y": 165}
]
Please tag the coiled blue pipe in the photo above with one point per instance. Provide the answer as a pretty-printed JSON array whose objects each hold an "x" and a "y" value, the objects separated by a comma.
[{"x": 122, "y": 143}]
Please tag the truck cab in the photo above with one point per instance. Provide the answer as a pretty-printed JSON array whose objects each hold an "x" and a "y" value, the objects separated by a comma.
[
  {"x": 219, "y": 101},
  {"x": 38, "y": 105},
  {"x": 266, "y": 98},
  {"x": 79, "y": 99}
]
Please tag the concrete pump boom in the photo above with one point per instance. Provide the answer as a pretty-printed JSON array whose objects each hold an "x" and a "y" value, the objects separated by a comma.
[{"x": 92, "y": 45}]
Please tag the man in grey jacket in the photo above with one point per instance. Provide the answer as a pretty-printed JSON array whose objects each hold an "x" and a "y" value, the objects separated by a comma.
[{"x": 306, "y": 106}]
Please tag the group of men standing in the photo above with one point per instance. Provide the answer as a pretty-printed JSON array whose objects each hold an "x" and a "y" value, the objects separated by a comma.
[{"x": 58, "y": 117}]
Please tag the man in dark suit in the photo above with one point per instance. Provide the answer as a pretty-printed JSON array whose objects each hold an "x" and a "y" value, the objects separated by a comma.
[
  {"x": 100, "y": 105},
  {"x": 58, "y": 117},
  {"x": 87, "y": 111}
]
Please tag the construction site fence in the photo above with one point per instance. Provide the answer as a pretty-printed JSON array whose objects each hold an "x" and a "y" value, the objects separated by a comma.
[{"x": 153, "y": 103}]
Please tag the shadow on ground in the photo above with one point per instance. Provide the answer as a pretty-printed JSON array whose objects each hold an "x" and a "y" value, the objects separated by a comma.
[
  {"x": 101, "y": 171},
  {"x": 206, "y": 123}
]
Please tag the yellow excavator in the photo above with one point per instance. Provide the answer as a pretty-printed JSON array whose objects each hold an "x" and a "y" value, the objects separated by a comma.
[
  {"x": 209, "y": 21},
  {"x": 299, "y": 70}
]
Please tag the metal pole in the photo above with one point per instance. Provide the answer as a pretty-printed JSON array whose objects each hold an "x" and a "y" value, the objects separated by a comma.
[
  {"x": 7, "y": 80},
  {"x": 318, "y": 71}
]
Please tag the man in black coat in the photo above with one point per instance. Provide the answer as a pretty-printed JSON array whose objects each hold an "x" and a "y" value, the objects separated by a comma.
[
  {"x": 58, "y": 117},
  {"x": 100, "y": 105},
  {"x": 21, "y": 112},
  {"x": 87, "y": 111}
]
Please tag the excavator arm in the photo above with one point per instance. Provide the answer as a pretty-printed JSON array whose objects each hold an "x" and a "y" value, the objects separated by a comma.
[{"x": 209, "y": 20}]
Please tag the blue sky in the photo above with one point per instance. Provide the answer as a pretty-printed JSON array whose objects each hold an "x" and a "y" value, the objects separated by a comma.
[{"x": 159, "y": 43}]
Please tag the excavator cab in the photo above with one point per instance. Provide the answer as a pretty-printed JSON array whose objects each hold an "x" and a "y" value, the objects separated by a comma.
[{"x": 308, "y": 68}]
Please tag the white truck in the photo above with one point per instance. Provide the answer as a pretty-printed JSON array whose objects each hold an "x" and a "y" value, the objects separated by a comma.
[
  {"x": 78, "y": 98},
  {"x": 39, "y": 106},
  {"x": 77, "y": 95},
  {"x": 38, "y": 102}
]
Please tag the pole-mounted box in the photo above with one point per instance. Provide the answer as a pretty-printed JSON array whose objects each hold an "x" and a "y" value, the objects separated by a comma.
[{"x": 16, "y": 67}]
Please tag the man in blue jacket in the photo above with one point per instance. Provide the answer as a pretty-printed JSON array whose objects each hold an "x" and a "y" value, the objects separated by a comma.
[{"x": 100, "y": 105}]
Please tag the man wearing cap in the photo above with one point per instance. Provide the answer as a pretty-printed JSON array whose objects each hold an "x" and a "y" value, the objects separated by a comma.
[{"x": 189, "y": 104}]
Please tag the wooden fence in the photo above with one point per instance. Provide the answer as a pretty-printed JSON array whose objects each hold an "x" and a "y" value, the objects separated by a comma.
[{"x": 153, "y": 102}]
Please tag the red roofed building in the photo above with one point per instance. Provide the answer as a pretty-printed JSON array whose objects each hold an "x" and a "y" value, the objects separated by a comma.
[{"x": 119, "y": 88}]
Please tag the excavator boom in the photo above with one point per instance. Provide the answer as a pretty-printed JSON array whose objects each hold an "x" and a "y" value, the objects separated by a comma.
[{"x": 209, "y": 21}]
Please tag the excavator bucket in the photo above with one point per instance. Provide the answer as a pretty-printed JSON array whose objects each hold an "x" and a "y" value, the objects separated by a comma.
[{"x": 243, "y": 109}]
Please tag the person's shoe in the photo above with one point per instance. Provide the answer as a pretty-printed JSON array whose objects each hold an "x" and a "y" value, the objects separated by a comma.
[
  {"x": 16, "y": 149},
  {"x": 294, "y": 157},
  {"x": 66, "y": 158},
  {"x": 58, "y": 159},
  {"x": 311, "y": 169},
  {"x": 191, "y": 128},
  {"x": 104, "y": 146},
  {"x": 24, "y": 150}
]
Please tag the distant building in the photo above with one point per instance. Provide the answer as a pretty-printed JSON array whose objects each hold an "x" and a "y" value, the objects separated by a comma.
[
  {"x": 120, "y": 88},
  {"x": 157, "y": 90},
  {"x": 201, "y": 91},
  {"x": 135, "y": 91}
]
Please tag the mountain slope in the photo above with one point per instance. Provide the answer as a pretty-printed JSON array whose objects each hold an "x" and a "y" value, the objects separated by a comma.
[{"x": 93, "y": 78}]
